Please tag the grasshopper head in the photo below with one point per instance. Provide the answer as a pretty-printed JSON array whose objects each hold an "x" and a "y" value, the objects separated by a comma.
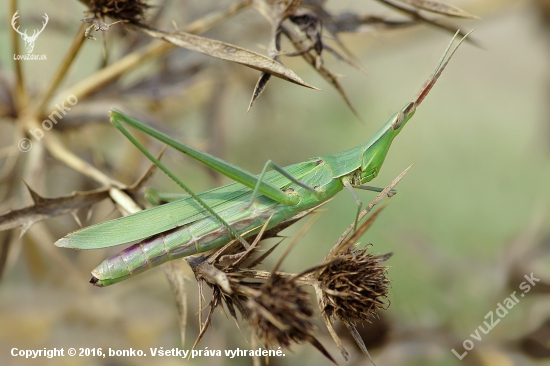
[
  {"x": 402, "y": 117},
  {"x": 376, "y": 149}
]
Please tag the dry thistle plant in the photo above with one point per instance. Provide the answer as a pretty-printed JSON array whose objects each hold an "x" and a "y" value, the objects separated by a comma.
[
  {"x": 95, "y": 175},
  {"x": 351, "y": 286}
]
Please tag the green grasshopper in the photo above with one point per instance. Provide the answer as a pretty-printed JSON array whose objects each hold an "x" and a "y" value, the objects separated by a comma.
[{"x": 211, "y": 219}]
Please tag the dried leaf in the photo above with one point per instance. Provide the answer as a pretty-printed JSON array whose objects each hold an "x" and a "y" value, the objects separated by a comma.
[
  {"x": 440, "y": 8},
  {"x": 273, "y": 51},
  {"x": 435, "y": 22},
  {"x": 259, "y": 88},
  {"x": 227, "y": 52}
]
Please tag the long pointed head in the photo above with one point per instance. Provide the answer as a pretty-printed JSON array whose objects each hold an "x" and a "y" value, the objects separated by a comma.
[
  {"x": 376, "y": 149},
  {"x": 400, "y": 119}
]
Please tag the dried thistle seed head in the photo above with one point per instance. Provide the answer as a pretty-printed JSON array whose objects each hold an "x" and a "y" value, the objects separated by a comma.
[
  {"x": 131, "y": 11},
  {"x": 354, "y": 286},
  {"x": 227, "y": 289},
  {"x": 280, "y": 313}
]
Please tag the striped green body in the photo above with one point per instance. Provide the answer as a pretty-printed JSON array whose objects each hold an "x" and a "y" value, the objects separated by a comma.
[
  {"x": 183, "y": 227},
  {"x": 213, "y": 218}
]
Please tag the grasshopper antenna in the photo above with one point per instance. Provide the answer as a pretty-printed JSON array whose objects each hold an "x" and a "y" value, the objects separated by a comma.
[{"x": 440, "y": 67}]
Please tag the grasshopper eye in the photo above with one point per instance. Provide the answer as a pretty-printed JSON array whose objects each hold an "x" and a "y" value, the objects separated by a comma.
[
  {"x": 404, "y": 115},
  {"x": 398, "y": 120},
  {"x": 410, "y": 108}
]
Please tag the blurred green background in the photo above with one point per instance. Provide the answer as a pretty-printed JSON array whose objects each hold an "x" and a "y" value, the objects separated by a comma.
[{"x": 470, "y": 217}]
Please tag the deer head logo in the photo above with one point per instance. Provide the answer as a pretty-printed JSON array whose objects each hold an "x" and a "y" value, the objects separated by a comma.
[{"x": 29, "y": 40}]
